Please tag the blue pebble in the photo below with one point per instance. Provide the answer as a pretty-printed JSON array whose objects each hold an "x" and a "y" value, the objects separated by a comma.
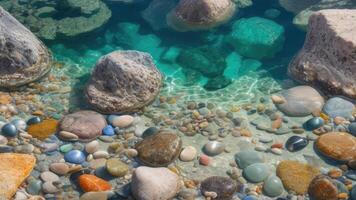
[
  {"x": 109, "y": 130},
  {"x": 33, "y": 120},
  {"x": 296, "y": 143},
  {"x": 313, "y": 123},
  {"x": 9, "y": 130},
  {"x": 74, "y": 156},
  {"x": 351, "y": 174},
  {"x": 250, "y": 197}
]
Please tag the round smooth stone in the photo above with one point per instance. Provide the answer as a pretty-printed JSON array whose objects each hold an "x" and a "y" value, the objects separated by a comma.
[
  {"x": 273, "y": 186},
  {"x": 322, "y": 188},
  {"x": 9, "y": 130},
  {"x": 214, "y": 148},
  {"x": 66, "y": 148},
  {"x": 74, "y": 156},
  {"x": 224, "y": 187},
  {"x": 256, "y": 173},
  {"x": 296, "y": 143},
  {"x": 100, "y": 154},
  {"x": 68, "y": 136},
  {"x": 34, "y": 120},
  {"x": 34, "y": 187},
  {"x": 108, "y": 130},
  {"x": 59, "y": 168},
  {"x": 248, "y": 157},
  {"x": 189, "y": 153},
  {"x": 20, "y": 124},
  {"x": 116, "y": 167},
  {"x": 265, "y": 139},
  {"x": 49, "y": 188},
  {"x": 313, "y": 123},
  {"x": 6, "y": 149},
  {"x": 91, "y": 183},
  {"x": 338, "y": 107},
  {"x": 150, "y": 131},
  {"x": 123, "y": 121},
  {"x": 92, "y": 147},
  {"x": 26, "y": 148},
  {"x": 48, "y": 176},
  {"x": 160, "y": 149},
  {"x": 49, "y": 147}
]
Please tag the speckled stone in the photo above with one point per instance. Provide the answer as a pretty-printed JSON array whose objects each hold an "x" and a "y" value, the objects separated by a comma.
[
  {"x": 296, "y": 176},
  {"x": 248, "y": 157},
  {"x": 257, "y": 172},
  {"x": 224, "y": 187},
  {"x": 339, "y": 146},
  {"x": 160, "y": 149}
]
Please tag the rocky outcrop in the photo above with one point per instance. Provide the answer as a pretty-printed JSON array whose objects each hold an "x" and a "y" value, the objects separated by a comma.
[
  {"x": 328, "y": 58},
  {"x": 51, "y": 19},
  {"x": 305, "y": 8},
  {"x": 200, "y": 14},
  {"x": 123, "y": 81},
  {"x": 23, "y": 58}
]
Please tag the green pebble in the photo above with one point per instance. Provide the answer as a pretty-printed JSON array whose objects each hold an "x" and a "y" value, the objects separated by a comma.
[{"x": 66, "y": 148}]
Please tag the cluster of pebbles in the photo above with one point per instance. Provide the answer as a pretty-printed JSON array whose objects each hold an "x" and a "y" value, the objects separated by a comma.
[{"x": 189, "y": 150}]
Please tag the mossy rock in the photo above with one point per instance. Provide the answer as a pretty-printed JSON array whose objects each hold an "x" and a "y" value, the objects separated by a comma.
[
  {"x": 256, "y": 37},
  {"x": 210, "y": 61}
]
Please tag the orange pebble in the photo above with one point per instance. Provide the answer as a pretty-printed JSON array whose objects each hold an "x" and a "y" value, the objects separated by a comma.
[
  {"x": 91, "y": 183},
  {"x": 335, "y": 173},
  {"x": 342, "y": 196},
  {"x": 277, "y": 145},
  {"x": 204, "y": 160}
]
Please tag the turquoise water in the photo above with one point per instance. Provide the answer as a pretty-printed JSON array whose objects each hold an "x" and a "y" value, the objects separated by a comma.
[{"x": 127, "y": 30}]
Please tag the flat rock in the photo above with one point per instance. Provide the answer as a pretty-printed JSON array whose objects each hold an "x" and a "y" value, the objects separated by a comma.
[
  {"x": 327, "y": 60},
  {"x": 301, "y": 101},
  {"x": 160, "y": 149},
  {"x": 154, "y": 183},
  {"x": 338, "y": 146},
  {"x": 339, "y": 107},
  {"x": 296, "y": 176},
  {"x": 14, "y": 169},
  {"x": 87, "y": 125}
]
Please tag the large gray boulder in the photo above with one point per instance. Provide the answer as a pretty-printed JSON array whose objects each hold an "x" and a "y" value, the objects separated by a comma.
[
  {"x": 328, "y": 57},
  {"x": 23, "y": 58},
  {"x": 123, "y": 81}
]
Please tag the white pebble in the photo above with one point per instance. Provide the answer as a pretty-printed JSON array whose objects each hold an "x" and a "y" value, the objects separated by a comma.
[
  {"x": 188, "y": 154},
  {"x": 277, "y": 151},
  {"x": 260, "y": 148},
  {"x": 92, "y": 147}
]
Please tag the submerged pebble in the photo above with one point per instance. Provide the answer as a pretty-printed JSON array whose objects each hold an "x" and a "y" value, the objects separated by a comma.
[
  {"x": 214, "y": 148},
  {"x": 296, "y": 143},
  {"x": 75, "y": 156}
]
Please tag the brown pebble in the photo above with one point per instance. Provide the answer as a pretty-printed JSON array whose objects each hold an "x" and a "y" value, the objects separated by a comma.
[{"x": 335, "y": 173}]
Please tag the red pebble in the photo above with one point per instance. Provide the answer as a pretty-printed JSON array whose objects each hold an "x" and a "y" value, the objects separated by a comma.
[
  {"x": 277, "y": 145},
  {"x": 204, "y": 160}
]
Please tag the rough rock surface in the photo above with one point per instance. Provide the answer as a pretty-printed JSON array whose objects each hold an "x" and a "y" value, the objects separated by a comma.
[
  {"x": 14, "y": 169},
  {"x": 200, "y": 14},
  {"x": 51, "y": 19},
  {"x": 328, "y": 58},
  {"x": 338, "y": 146},
  {"x": 86, "y": 125},
  {"x": 296, "y": 176},
  {"x": 154, "y": 183},
  {"x": 23, "y": 58},
  {"x": 123, "y": 81}
]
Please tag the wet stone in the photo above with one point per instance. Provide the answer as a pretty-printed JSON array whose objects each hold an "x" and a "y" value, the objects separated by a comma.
[
  {"x": 256, "y": 173},
  {"x": 224, "y": 187},
  {"x": 160, "y": 149},
  {"x": 296, "y": 143},
  {"x": 322, "y": 188},
  {"x": 248, "y": 157},
  {"x": 116, "y": 167},
  {"x": 74, "y": 156},
  {"x": 214, "y": 148},
  {"x": 34, "y": 187},
  {"x": 273, "y": 186},
  {"x": 150, "y": 131},
  {"x": 313, "y": 123}
]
